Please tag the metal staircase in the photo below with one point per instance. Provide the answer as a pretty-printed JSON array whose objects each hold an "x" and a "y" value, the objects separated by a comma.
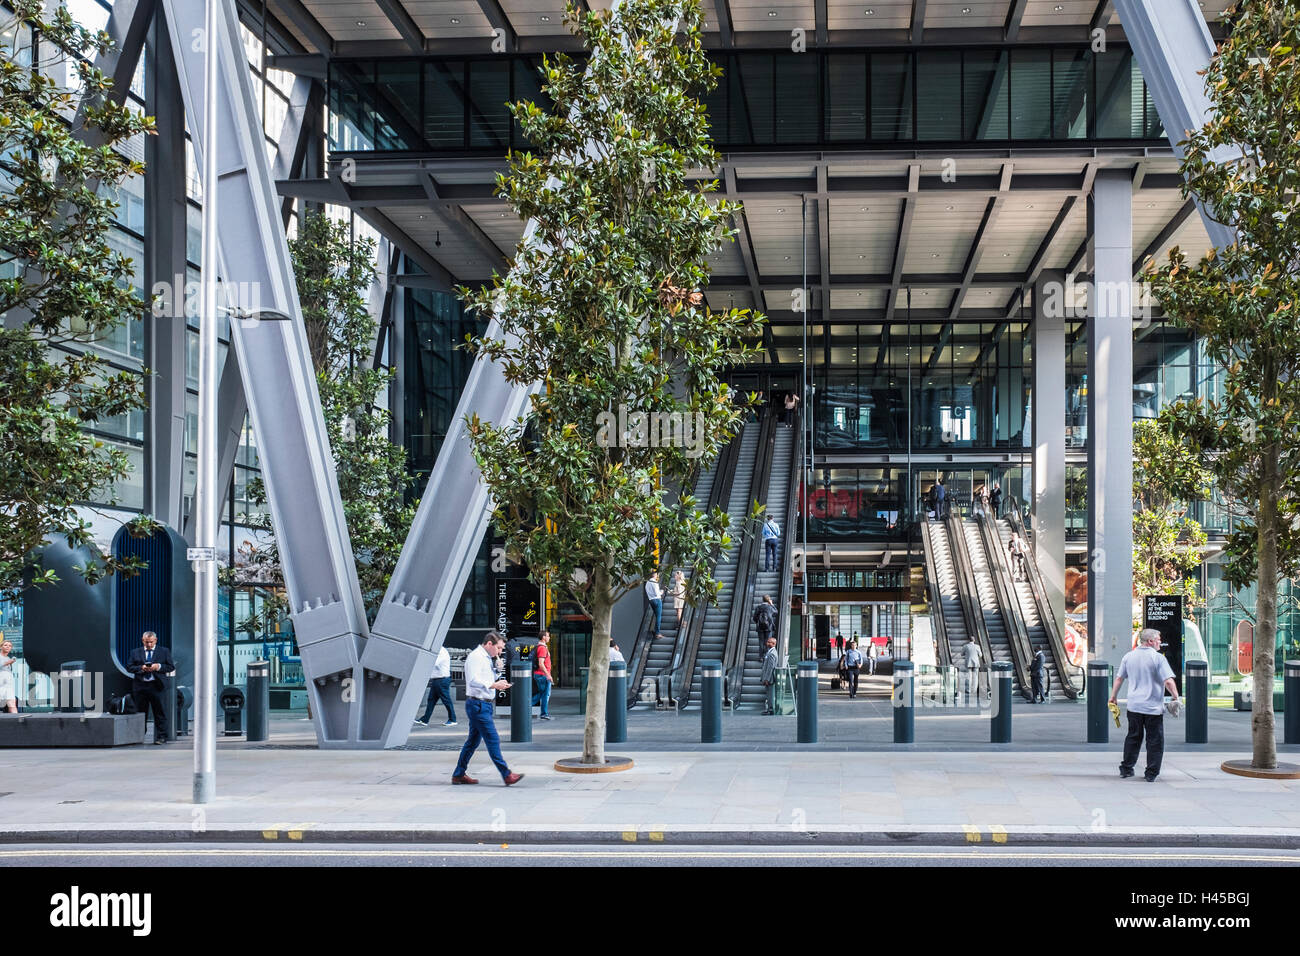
[
  {"x": 1039, "y": 622},
  {"x": 941, "y": 575},
  {"x": 751, "y": 692},
  {"x": 713, "y": 633}
]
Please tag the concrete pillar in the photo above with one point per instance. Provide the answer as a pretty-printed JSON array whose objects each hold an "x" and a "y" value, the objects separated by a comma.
[
  {"x": 1110, "y": 418},
  {"x": 1049, "y": 437}
]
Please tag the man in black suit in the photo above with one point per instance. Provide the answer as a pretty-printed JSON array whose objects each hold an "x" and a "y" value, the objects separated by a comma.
[{"x": 148, "y": 665}]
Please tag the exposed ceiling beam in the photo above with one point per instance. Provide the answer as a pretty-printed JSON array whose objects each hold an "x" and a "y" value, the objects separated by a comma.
[
  {"x": 945, "y": 333},
  {"x": 497, "y": 17},
  {"x": 307, "y": 25},
  {"x": 399, "y": 18},
  {"x": 918, "y": 21},
  {"x": 745, "y": 244},
  {"x": 820, "y": 18},
  {"x": 726, "y": 33},
  {"x": 1101, "y": 16},
  {"x": 1167, "y": 233},
  {"x": 901, "y": 239},
  {"x": 466, "y": 225},
  {"x": 916, "y": 280},
  {"x": 442, "y": 279},
  {"x": 1016, "y": 13},
  {"x": 977, "y": 245},
  {"x": 1039, "y": 260}
]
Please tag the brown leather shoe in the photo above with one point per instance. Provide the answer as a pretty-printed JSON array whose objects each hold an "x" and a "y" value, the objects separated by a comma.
[
  {"x": 513, "y": 779},
  {"x": 463, "y": 778}
]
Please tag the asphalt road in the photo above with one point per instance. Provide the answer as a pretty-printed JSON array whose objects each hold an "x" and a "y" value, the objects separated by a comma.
[{"x": 372, "y": 855}]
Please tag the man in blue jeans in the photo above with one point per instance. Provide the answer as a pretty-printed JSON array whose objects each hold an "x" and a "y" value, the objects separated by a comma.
[
  {"x": 481, "y": 685},
  {"x": 542, "y": 675},
  {"x": 440, "y": 690}
]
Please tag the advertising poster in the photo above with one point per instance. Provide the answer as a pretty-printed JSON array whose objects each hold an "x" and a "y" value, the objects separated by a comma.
[{"x": 1164, "y": 613}]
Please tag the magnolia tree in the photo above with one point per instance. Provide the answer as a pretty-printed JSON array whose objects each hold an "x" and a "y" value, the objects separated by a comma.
[
  {"x": 64, "y": 288},
  {"x": 1166, "y": 542},
  {"x": 1243, "y": 303},
  {"x": 603, "y": 308}
]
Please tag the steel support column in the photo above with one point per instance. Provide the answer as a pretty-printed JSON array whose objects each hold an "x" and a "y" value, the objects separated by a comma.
[
  {"x": 1049, "y": 437},
  {"x": 1110, "y": 418}
]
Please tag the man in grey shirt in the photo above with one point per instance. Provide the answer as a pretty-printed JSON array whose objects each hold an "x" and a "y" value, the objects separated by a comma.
[
  {"x": 768, "y": 678},
  {"x": 1149, "y": 676},
  {"x": 971, "y": 658}
]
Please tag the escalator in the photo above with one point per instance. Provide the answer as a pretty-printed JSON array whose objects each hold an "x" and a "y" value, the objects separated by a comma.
[
  {"x": 941, "y": 577},
  {"x": 1004, "y": 640},
  {"x": 654, "y": 658},
  {"x": 714, "y": 622},
  {"x": 1039, "y": 621},
  {"x": 748, "y": 691}
]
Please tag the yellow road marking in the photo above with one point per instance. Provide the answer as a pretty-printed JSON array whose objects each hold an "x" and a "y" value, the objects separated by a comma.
[
  {"x": 656, "y": 836},
  {"x": 629, "y": 836},
  {"x": 972, "y": 833},
  {"x": 999, "y": 834},
  {"x": 270, "y": 834}
]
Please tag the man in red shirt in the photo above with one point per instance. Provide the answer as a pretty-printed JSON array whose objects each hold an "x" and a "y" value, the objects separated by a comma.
[{"x": 542, "y": 674}]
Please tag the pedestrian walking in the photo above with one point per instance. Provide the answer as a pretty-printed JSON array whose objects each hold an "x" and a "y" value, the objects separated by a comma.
[
  {"x": 678, "y": 592},
  {"x": 1038, "y": 676},
  {"x": 149, "y": 665},
  {"x": 771, "y": 541},
  {"x": 940, "y": 500},
  {"x": 1150, "y": 677},
  {"x": 995, "y": 500},
  {"x": 440, "y": 690},
  {"x": 542, "y": 679},
  {"x": 980, "y": 500},
  {"x": 787, "y": 413},
  {"x": 481, "y": 685},
  {"x": 655, "y": 595},
  {"x": 769, "y": 678},
  {"x": 1019, "y": 557},
  {"x": 764, "y": 618},
  {"x": 8, "y": 694},
  {"x": 853, "y": 664},
  {"x": 872, "y": 653},
  {"x": 971, "y": 655}
]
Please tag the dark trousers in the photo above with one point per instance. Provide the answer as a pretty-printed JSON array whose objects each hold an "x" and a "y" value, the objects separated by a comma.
[
  {"x": 147, "y": 698},
  {"x": 771, "y": 560},
  {"x": 481, "y": 728},
  {"x": 852, "y": 674},
  {"x": 1040, "y": 685},
  {"x": 1153, "y": 725},
  {"x": 440, "y": 689}
]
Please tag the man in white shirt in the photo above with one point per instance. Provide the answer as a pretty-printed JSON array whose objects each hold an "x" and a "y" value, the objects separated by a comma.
[
  {"x": 614, "y": 653},
  {"x": 1150, "y": 677},
  {"x": 481, "y": 685},
  {"x": 655, "y": 595},
  {"x": 440, "y": 689}
]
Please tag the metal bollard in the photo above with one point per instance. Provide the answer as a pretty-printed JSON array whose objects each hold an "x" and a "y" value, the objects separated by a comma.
[
  {"x": 258, "y": 689},
  {"x": 806, "y": 702},
  {"x": 904, "y": 702},
  {"x": 710, "y": 702},
  {"x": 521, "y": 702},
  {"x": 1098, "y": 696},
  {"x": 1291, "y": 702},
  {"x": 616, "y": 704},
  {"x": 1196, "y": 688},
  {"x": 169, "y": 706},
  {"x": 1000, "y": 718}
]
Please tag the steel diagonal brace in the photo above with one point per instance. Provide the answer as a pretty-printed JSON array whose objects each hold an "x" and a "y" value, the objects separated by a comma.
[
  {"x": 439, "y": 551},
  {"x": 279, "y": 380}
]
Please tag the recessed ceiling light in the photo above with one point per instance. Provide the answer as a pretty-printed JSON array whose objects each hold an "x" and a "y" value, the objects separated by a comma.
[
  {"x": 787, "y": 258},
  {"x": 949, "y": 208},
  {"x": 361, "y": 23},
  {"x": 545, "y": 19},
  {"x": 934, "y": 255},
  {"x": 868, "y": 12},
  {"x": 780, "y": 210},
  {"x": 965, "y": 10},
  {"x": 502, "y": 215},
  {"x": 1029, "y": 205},
  {"x": 865, "y": 209},
  {"x": 1006, "y": 255},
  {"x": 1151, "y": 205},
  {"x": 771, "y": 13},
  {"x": 455, "y": 19},
  {"x": 861, "y": 257},
  {"x": 1058, "y": 8}
]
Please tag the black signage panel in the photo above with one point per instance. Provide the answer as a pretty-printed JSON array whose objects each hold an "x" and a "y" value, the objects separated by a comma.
[{"x": 1164, "y": 613}]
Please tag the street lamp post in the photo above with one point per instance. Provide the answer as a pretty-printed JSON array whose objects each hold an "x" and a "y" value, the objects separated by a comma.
[{"x": 205, "y": 492}]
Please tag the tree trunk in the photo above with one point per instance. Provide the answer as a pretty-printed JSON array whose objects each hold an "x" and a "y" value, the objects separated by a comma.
[
  {"x": 602, "y": 615},
  {"x": 1262, "y": 732}
]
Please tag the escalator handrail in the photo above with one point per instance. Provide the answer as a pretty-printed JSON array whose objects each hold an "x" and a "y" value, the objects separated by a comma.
[
  {"x": 786, "y": 589},
  {"x": 640, "y": 652},
  {"x": 961, "y": 566},
  {"x": 1022, "y": 650},
  {"x": 733, "y": 652},
  {"x": 942, "y": 648},
  {"x": 688, "y": 639},
  {"x": 1055, "y": 641}
]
